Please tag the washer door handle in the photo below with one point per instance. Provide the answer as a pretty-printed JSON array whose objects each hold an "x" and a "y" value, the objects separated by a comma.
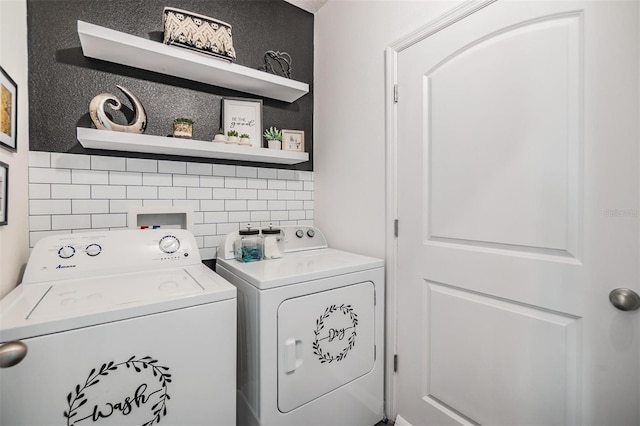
[{"x": 11, "y": 353}]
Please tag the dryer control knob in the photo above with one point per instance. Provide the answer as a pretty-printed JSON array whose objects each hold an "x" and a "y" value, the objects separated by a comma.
[
  {"x": 169, "y": 244},
  {"x": 311, "y": 233},
  {"x": 66, "y": 252},
  {"x": 93, "y": 249},
  {"x": 299, "y": 233}
]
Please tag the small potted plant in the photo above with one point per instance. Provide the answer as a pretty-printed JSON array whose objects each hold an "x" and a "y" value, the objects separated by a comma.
[
  {"x": 273, "y": 137},
  {"x": 245, "y": 139},
  {"x": 232, "y": 137},
  {"x": 220, "y": 137},
  {"x": 183, "y": 128}
]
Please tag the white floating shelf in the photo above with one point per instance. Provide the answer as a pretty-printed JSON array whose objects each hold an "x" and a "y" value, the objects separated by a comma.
[
  {"x": 120, "y": 141},
  {"x": 114, "y": 46}
]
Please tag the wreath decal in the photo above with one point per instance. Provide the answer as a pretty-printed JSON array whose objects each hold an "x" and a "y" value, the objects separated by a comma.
[
  {"x": 333, "y": 333},
  {"x": 76, "y": 398}
]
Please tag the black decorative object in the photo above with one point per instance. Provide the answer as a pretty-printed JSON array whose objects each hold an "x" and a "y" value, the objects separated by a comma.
[
  {"x": 4, "y": 192},
  {"x": 278, "y": 63},
  {"x": 335, "y": 333},
  {"x": 77, "y": 398}
]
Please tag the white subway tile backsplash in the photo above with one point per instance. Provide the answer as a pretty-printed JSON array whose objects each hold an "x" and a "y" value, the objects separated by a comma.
[
  {"x": 199, "y": 193},
  {"x": 205, "y": 169},
  {"x": 71, "y": 221},
  {"x": 232, "y": 182},
  {"x": 267, "y": 173},
  {"x": 208, "y": 253},
  {"x": 260, "y": 215},
  {"x": 35, "y": 236},
  {"x": 89, "y": 176},
  {"x": 257, "y": 205},
  {"x": 40, "y": 175},
  {"x": 89, "y": 206},
  {"x": 179, "y": 167},
  {"x": 39, "y": 191},
  {"x": 267, "y": 194},
  {"x": 248, "y": 172},
  {"x": 186, "y": 180},
  {"x": 157, "y": 179},
  {"x": 216, "y": 217},
  {"x": 142, "y": 192},
  {"x": 125, "y": 178},
  {"x": 39, "y": 159},
  {"x": 224, "y": 170},
  {"x": 223, "y": 194},
  {"x": 286, "y": 174},
  {"x": 172, "y": 192},
  {"x": 108, "y": 191},
  {"x": 123, "y": 206},
  {"x": 40, "y": 223},
  {"x": 99, "y": 162},
  {"x": 108, "y": 220},
  {"x": 276, "y": 184},
  {"x": 239, "y": 216},
  {"x": 257, "y": 183},
  {"x": 70, "y": 161},
  {"x": 246, "y": 194},
  {"x": 70, "y": 191},
  {"x": 142, "y": 165},
  {"x": 212, "y": 181},
  {"x": 277, "y": 205},
  {"x": 157, "y": 203},
  {"x": 49, "y": 207},
  {"x": 211, "y": 205}
]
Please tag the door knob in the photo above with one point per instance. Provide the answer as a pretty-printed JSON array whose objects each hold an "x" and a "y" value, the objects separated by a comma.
[
  {"x": 625, "y": 299},
  {"x": 11, "y": 353}
]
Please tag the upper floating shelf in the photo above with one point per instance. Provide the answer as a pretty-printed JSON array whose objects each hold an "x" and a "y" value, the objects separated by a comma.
[{"x": 114, "y": 46}]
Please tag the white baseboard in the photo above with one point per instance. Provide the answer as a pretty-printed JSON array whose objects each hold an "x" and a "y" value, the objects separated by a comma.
[{"x": 400, "y": 421}]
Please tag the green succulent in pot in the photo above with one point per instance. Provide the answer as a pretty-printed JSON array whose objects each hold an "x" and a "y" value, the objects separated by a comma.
[
  {"x": 272, "y": 134},
  {"x": 244, "y": 136},
  {"x": 232, "y": 133}
]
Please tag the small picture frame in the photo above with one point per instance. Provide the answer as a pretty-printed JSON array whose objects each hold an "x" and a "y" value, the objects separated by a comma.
[
  {"x": 4, "y": 191},
  {"x": 293, "y": 140},
  {"x": 8, "y": 112},
  {"x": 243, "y": 116}
]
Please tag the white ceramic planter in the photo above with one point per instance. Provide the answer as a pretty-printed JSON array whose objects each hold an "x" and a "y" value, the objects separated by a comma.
[
  {"x": 233, "y": 139},
  {"x": 274, "y": 144},
  {"x": 220, "y": 138}
]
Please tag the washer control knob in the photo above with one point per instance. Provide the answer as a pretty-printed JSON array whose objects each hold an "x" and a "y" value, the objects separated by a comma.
[
  {"x": 93, "y": 249},
  {"x": 169, "y": 244},
  {"x": 66, "y": 252},
  {"x": 311, "y": 233},
  {"x": 299, "y": 233}
]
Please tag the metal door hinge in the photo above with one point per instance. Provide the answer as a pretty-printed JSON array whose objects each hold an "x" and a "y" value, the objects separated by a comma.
[
  {"x": 374, "y": 352},
  {"x": 395, "y": 93},
  {"x": 395, "y": 363},
  {"x": 395, "y": 228}
]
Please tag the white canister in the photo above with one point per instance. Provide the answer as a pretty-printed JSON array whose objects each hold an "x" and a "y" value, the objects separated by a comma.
[{"x": 273, "y": 243}]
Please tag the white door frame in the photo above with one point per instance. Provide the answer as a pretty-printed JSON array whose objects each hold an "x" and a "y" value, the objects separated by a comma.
[{"x": 391, "y": 58}]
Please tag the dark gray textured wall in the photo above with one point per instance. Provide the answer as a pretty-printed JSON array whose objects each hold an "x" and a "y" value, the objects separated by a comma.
[{"x": 62, "y": 81}]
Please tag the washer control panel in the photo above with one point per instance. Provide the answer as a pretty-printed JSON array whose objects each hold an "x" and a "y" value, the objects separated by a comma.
[{"x": 78, "y": 255}]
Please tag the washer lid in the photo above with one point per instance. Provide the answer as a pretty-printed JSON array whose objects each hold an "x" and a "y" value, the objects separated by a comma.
[
  {"x": 299, "y": 267},
  {"x": 57, "y": 306}
]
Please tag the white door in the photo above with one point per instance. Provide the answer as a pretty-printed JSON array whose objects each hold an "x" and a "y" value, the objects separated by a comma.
[{"x": 517, "y": 192}]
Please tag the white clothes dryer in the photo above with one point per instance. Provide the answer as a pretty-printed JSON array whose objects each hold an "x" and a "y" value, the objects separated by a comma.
[
  {"x": 310, "y": 333},
  {"x": 118, "y": 328}
]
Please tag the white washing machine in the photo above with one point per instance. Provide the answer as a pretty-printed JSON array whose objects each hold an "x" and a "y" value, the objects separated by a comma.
[
  {"x": 310, "y": 334},
  {"x": 118, "y": 328}
]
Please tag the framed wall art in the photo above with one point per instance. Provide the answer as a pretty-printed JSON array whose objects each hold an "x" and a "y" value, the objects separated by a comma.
[
  {"x": 293, "y": 140},
  {"x": 4, "y": 191},
  {"x": 8, "y": 111},
  {"x": 245, "y": 117}
]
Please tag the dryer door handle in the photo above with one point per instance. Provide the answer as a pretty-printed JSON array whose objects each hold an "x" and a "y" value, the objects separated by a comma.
[
  {"x": 291, "y": 360},
  {"x": 11, "y": 353}
]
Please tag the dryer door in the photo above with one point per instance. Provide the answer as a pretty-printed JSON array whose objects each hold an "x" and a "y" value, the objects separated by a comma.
[{"x": 325, "y": 340}]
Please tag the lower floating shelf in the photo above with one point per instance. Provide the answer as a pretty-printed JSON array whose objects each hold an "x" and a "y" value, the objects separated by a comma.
[{"x": 133, "y": 142}]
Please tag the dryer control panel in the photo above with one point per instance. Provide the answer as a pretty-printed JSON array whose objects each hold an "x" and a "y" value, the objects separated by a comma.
[{"x": 69, "y": 256}]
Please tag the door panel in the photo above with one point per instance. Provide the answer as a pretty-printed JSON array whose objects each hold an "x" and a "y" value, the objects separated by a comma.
[{"x": 517, "y": 151}]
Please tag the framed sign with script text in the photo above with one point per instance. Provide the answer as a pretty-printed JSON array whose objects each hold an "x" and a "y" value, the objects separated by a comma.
[{"x": 245, "y": 117}]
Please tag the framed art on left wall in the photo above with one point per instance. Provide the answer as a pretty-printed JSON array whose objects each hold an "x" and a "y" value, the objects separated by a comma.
[
  {"x": 8, "y": 111},
  {"x": 4, "y": 190}
]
